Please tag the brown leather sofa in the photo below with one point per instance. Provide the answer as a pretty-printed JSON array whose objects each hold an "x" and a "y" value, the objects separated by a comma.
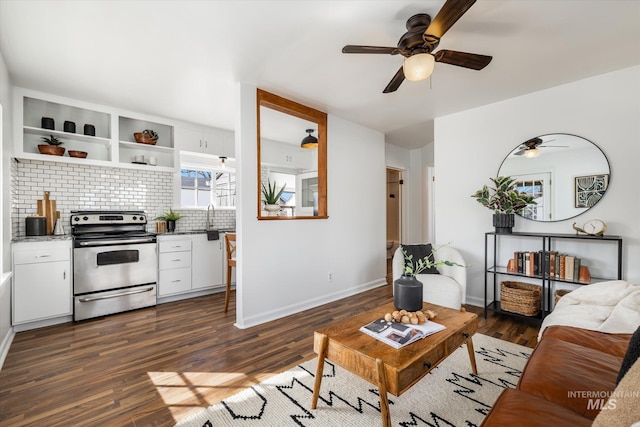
[{"x": 565, "y": 382}]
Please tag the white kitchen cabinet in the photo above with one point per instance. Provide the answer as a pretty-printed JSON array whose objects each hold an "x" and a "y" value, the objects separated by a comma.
[
  {"x": 215, "y": 142},
  {"x": 174, "y": 265},
  {"x": 207, "y": 264},
  {"x": 112, "y": 145},
  {"x": 41, "y": 287}
]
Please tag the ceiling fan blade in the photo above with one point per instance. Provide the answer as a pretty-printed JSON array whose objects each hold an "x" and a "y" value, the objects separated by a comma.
[
  {"x": 448, "y": 15},
  {"x": 395, "y": 82},
  {"x": 463, "y": 59},
  {"x": 520, "y": 153},
  {"x": 370, "y": 49}
]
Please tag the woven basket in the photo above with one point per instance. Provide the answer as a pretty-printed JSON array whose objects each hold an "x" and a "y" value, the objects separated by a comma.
[
  {"x": 559, "y": 293},
  {"x": 520, "y": 298}
]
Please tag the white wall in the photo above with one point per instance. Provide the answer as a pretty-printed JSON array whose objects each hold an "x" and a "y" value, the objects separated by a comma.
[
  {"x": 469, "y": 147},
  {"x": 6, "y": 332},
  {"x": 283, "y": 265}
]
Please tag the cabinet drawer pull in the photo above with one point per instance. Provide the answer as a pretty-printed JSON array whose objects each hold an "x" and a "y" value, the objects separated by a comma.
[
  {"x": 43, "y": 256},
  {"x": 176, "y": 281},
  {"x": 427, "y": 365},
  {"x": 176, "y": 260}
]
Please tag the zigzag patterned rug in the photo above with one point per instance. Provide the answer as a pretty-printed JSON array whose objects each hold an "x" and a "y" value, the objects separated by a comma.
[{"x": 450, "y": 395}]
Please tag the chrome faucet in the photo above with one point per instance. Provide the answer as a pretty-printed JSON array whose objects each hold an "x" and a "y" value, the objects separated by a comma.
[{"x": 210, "y": 217}]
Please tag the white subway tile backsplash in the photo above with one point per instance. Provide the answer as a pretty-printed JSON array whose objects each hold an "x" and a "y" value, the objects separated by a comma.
[{"x": 80, "y": 187}]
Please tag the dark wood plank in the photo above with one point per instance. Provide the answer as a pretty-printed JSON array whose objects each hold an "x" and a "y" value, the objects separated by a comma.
[{"x": 157, "y": 365}]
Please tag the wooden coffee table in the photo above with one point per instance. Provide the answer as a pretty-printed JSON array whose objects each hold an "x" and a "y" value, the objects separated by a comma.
[{"x": 392, "y": 371}]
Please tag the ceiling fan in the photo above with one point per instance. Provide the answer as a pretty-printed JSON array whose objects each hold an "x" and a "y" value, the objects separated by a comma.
[
  {"x": 418, "y": 43},
  {"x": 531, "y": 147}
]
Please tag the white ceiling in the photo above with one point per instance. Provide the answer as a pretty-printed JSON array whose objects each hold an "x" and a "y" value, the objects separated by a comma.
[{"x": 181, "y": 59}]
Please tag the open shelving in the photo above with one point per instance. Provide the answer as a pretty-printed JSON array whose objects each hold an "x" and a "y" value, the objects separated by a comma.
[{"x": 547, "y": 242}]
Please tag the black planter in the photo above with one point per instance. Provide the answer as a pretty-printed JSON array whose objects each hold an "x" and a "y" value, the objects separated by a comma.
[
  {"x": 171, "y": 225},
  {"x": 503, "y": 223},
  {"x": 407, "y": 293}
]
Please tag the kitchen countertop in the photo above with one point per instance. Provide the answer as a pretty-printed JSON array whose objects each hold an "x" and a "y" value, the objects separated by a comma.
[{"x": 47, "y": 238}]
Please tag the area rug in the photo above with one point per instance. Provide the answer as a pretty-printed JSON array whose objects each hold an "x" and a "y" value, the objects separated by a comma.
[{"x": 450, "y": 395}]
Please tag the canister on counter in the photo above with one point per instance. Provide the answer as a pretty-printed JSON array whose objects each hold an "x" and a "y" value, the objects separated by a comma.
[{"x": 36, "y": 225}]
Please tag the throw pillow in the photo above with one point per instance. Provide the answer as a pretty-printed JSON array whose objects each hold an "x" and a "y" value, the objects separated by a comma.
[
  {"x": 621, "y": 409},
  {"x": 632, "y": 354},
  {"x": 420, "y": 252}
]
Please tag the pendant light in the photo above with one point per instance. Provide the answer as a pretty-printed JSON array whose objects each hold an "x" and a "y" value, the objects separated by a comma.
[
  {"x": 309, "y": 141},
  {"x": 222, "y": 160}
]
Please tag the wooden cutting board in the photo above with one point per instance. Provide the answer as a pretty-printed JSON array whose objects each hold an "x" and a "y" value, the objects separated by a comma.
[{"x": 47, "y": 208}]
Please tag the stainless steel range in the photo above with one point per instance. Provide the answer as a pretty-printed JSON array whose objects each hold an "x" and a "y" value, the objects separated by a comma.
[{"x": 114, "y": 262}]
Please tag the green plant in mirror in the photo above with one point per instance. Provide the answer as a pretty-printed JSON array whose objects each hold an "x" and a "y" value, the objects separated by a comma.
[
  {"x": 503, "y": 198},
  {"x": 271, "y": 194},
  {"x": 169, "y": 216}
]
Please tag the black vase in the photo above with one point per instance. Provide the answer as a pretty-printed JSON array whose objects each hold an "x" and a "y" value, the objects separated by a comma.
[
  {"x": 503, "y": 222},
  {"x": 48, "y": 123},
  {"x": 171, "y": 225},
  {"x": 407, "y": 293}
]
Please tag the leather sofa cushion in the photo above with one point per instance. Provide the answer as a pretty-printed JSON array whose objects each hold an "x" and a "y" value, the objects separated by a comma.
[
  {"x": 557, "y": 368},
  {"x": 615, "y": 344},
  {"x": 517, "y": 408}
]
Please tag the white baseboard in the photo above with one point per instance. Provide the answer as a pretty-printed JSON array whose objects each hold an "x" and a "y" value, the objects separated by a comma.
[
  {"x": 477, "y": 301},
  {"x": 306, "y": 305},
  {"x": 4, "y": 347}
]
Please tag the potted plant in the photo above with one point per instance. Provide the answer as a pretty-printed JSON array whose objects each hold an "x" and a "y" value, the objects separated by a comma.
[
  {"x": 504, "y": 200},
  {"x": 271, "y": 197},
  {"x": 408, "y": 290},
  {"x": 170, "y": 217},
  {"x": 51, "y": 147},
  {"x": 147, "y": 136}
]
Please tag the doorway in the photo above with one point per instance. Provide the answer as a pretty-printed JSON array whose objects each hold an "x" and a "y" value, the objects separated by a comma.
[{"x": 394, "y": 215}]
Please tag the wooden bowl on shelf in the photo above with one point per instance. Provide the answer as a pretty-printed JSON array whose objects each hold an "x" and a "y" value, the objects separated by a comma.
[
  {"x": 79, "y": 154},
  {"x": 144, "y": 138},
  {"x": 53, "y": 150}
]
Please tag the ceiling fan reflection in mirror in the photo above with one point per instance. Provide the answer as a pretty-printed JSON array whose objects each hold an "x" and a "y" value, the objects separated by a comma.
[
  {"x": 530, "y": 148},
  {"x": 418, "y": 43}
]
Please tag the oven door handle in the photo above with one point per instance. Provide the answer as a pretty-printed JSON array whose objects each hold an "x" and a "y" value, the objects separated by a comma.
[
  {"x": 121, "y": 294},
  {"x": 117, "y": 242}
]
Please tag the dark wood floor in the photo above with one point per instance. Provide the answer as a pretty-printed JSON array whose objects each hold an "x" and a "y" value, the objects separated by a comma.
[{"x": 153, "y": 367}]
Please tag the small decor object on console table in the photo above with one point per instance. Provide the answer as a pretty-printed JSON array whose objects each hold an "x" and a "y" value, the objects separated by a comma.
[
  {"x": 505, "y": 201},
  {"x": 594, "y": 227}
]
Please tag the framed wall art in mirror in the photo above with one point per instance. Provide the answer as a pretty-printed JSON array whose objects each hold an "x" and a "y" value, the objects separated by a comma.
[
  {"x": 292, "y": 159},
  {"x": 567, "y": 175}
]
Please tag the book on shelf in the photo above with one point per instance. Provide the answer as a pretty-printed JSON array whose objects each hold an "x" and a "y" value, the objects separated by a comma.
[
  {"x": 549, "y": 264},
  {"x": 568, "y": 265},
  {"x": 398, "y": 335}
]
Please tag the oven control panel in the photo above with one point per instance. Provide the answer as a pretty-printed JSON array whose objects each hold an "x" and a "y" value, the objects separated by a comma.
[{"x": 97, "y": 218}]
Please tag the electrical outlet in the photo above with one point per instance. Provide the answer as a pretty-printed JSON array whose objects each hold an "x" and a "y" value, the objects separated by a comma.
[{"x": 330, "y": 277}]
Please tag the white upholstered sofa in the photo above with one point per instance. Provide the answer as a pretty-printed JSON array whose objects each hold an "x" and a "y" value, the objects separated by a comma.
[{"x": 449, "y": 288}]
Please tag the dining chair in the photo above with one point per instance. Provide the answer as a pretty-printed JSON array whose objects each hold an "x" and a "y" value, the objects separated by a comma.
[{"x": 230, "y": 243}]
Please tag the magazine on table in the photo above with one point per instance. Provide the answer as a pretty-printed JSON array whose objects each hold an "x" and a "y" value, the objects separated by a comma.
[{"x": 397, "y": 334}]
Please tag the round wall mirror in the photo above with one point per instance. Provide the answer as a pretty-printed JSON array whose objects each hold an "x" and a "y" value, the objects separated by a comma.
[{"x": 566, "y": 174}]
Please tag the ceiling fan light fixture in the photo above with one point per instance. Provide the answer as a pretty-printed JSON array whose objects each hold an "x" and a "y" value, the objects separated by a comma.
[
  {"x": 530, "y": 153},
  {"x": 309, "y": 141},
  {"x": 418, "y": 67}
]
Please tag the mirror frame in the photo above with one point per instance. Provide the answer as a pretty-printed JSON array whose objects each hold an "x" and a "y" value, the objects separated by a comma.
[
  {"x": 286, "y": 106},
  {"x": 564, "y": 134}
]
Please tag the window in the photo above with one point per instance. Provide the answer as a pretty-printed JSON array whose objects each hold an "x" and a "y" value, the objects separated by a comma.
[{"x": 200, "y": 187}]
